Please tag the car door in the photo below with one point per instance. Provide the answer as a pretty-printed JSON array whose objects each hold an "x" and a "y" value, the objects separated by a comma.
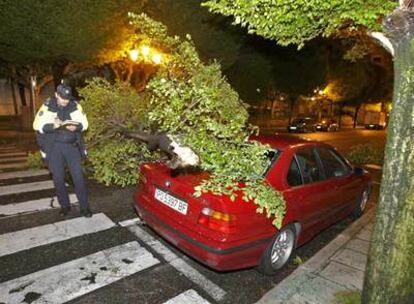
[
  {"x": 343, "y": 187},
  {"x": 307, "y": 190}
]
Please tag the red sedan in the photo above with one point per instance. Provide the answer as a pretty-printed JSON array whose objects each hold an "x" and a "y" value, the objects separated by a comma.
[{"x": 320, "y": 188}]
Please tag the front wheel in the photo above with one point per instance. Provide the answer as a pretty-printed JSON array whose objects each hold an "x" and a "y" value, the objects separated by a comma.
[{"x": 279, "y": 252}]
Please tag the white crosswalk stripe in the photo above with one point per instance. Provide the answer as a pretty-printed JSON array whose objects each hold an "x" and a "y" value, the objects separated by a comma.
[
  {"x": 188, "y": 297},
  {"x": 81, "y": 275},
  {"x": 130, "y": 222},
  {"x": 31, "y": 206},
  {"x": 73, "y": 279},
  {"x": 47, "y": 234},
  {"x": 179, "y": 264},
  {"x": 28, "y": 187},
  {"x": 23, "y": 174}
]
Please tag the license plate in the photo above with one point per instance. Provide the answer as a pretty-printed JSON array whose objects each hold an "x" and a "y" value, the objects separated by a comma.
[
  {"x": 293, "y": 128},
  {"x": 171, "y": 201}
]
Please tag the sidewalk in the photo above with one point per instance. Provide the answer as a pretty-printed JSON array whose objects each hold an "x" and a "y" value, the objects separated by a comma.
[{"x": 340, "y": 266}]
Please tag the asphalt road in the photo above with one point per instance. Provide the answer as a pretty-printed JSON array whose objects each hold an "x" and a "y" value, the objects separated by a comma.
[
  {"x": 344, "y": 139},
  {"x": 35, "y": 245}
]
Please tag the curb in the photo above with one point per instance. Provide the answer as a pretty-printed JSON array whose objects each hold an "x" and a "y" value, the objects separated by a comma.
[{"x": 288, "y": 287}]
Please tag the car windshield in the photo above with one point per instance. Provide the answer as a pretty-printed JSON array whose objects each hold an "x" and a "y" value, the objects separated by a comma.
[
  {"x": 272, "y": 156},
  {"x": 298, "y": 120}
]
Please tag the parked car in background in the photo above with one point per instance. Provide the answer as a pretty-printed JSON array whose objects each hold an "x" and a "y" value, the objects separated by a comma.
[
  {"x": 375, "y": 120},
  {"x": 320, "y": 188},
  {"x": 302, "y": 125},
  {"x": 328, "y": 125}
]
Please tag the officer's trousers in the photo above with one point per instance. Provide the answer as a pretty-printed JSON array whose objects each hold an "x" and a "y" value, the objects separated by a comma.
[{"x": 67, "y": 154}]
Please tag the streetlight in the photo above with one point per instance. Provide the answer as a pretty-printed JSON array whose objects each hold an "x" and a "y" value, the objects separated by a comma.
[
  {"x": 134, "y": 54},
  {"x": 145, "y": 50},
  {"x": 156, "y": 58},
  {"x": 145, "y": 54}
]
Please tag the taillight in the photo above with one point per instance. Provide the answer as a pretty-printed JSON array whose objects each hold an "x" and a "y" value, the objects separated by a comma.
[
  {"x": 142, "y": 182},
  {"x": 142, "y": 178},
  {"x": 216, "y": 220}
]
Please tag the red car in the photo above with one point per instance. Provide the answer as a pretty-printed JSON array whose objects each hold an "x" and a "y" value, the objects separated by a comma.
[{"x": 320, "y": 188}]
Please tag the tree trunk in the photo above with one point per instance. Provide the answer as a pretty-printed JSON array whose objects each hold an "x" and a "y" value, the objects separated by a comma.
[
  {"x": 22, "y": 93},
  {"x": 12, "y": 88},
  {"x": 341, "y": 107},
  {"x": 58, "y": 71},
  {"x": 356, "y": 115},
  {"x": 292, "y": 101},
  {"x": 390, "y": 270}
]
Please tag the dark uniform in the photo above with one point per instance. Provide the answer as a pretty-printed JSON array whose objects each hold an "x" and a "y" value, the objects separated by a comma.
[{"x": 61, "y": 147}]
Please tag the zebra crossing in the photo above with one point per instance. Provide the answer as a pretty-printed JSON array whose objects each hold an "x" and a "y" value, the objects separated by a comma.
[{"x": 73, "y": 277}]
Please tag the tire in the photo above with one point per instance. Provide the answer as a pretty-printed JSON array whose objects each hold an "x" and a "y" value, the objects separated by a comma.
[
  {"x": 279, "y": 251},
  {"x": 361, "y": 203}
]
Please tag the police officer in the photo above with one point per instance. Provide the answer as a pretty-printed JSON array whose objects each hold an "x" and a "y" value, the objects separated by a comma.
[{"x": 59, "y": 123}]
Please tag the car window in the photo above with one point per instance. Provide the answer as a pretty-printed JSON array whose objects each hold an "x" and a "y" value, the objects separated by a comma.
[
  {"x": 311, "y": 172},
  {"x": 272, "y": 156},
  {"x": 333, "y": 164},
  {"x": 294, "y": 177}
]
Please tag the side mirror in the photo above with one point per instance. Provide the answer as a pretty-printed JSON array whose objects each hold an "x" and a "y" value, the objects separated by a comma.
[
  {"x": 339, "y": 173},
  {"x": 358, "y": 171}
]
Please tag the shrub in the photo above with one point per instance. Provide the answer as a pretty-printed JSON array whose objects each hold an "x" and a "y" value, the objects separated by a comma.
[
  {"x": 34, "y": 161},
  {"x": 366, "y": 154}
]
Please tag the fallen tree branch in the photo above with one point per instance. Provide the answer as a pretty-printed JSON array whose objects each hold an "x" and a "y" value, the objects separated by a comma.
[{"x": 383, "y": 40}]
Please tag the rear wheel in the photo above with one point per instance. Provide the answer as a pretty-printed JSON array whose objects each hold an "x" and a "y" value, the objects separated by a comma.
[
  {"x": 362, "y": 203},
  {"x": 279, "y": 252}
]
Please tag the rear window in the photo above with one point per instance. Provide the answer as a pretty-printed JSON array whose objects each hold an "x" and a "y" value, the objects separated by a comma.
[
  {"x": 294, "y": 178},
  {"x": 272, "y": 156},
  {"x": 311, "y": 172}
]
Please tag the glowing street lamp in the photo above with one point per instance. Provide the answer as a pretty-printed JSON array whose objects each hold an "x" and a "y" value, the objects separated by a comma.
[
  {"x": 145, "y": 54},
  {"x": 156, "y": 58},
  {"x": 145, "y": 50},
  {"x": 134, "y": 54}
]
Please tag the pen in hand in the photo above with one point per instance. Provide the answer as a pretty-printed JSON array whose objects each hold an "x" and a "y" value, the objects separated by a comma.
[{"x": 57, "y": 123}]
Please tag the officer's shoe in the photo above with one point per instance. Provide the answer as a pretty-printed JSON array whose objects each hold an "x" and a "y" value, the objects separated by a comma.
[
  {"x": 64, "y": 211},
  {"x": 86, "y": 212}
]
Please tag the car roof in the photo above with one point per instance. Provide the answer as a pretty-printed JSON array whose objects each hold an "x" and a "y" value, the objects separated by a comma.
[{"x": 282, "y": 142}]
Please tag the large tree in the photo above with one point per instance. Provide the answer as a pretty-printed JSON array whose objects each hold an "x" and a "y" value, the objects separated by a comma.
[
  {"x": 390, "y": 272},
  {"x": 182, "y": 108}
]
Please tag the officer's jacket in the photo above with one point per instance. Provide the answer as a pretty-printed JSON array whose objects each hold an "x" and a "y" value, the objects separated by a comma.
[{"x": 47, "y": 136}]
